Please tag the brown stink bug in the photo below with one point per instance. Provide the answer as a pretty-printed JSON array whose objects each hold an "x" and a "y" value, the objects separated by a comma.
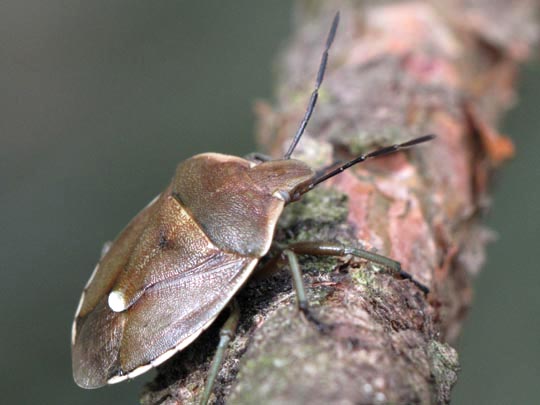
[{"x": 182, "y": 259}]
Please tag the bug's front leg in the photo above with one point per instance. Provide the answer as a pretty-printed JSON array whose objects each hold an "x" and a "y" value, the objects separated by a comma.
[
  {"x": 338, "y": 249},
  {"x": 290, "y": 252}
]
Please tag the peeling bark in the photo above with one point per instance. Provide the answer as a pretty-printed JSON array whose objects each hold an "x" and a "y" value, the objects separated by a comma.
[{"x": 396, "y": 70}]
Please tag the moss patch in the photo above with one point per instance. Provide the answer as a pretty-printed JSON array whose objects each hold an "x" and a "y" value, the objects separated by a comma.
[
  {"x": 321, "y": 205},
  {"x": 444, "y": 368}
]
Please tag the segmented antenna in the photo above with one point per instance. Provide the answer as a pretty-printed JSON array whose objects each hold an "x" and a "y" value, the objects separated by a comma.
[
  {"x": 376, "y": 153},
  {"x": 315, "y": 93}
]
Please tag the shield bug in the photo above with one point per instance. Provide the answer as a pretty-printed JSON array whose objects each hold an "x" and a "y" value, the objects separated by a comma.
[{"x": 181, "y": 260}]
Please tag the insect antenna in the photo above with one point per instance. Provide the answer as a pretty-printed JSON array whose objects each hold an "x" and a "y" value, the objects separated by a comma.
[
  {"x": 315, "y": 93},
  {"x": 386, "y": 150}
]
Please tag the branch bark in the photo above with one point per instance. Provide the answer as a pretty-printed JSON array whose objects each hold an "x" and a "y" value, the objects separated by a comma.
[{"x": 396, "y": 70}]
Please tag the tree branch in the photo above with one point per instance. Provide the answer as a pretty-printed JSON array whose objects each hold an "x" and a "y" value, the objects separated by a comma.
[{"x": 396, "y": 70}]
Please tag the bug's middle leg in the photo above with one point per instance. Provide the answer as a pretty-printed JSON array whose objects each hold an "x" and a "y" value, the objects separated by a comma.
[
  {"x": 302, "y": 302},
  {"x": 286, "y": 255}
]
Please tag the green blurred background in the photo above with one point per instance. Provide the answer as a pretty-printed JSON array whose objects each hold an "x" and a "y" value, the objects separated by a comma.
[{"x": 99, "y": 102}]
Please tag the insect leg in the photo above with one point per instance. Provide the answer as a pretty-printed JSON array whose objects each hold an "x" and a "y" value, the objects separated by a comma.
[
  {"x": 225, "y": 335},
  {"x": 337, "y": 249},
  {"x": 301, "y": 297}
]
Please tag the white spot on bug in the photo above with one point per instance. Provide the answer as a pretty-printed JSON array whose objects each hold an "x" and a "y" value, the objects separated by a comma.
[
  {"x": 78, "y": 311},
  {"x": 79, "y": 306},
  {"x": 282, "y": 195},
  {"x": 160, "y": 359},
  {"x": 166, "y": 356},
  {"x": 117, "y": 378},
  {"x": 117, "y": 301},
  {"x": 73, "y": 332},
  {"x": 153, "y": 201},
  {"x": 106, "y": 246},
  {"x": 91, "y": 278},
  {"x": 139, "y": 370}
]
